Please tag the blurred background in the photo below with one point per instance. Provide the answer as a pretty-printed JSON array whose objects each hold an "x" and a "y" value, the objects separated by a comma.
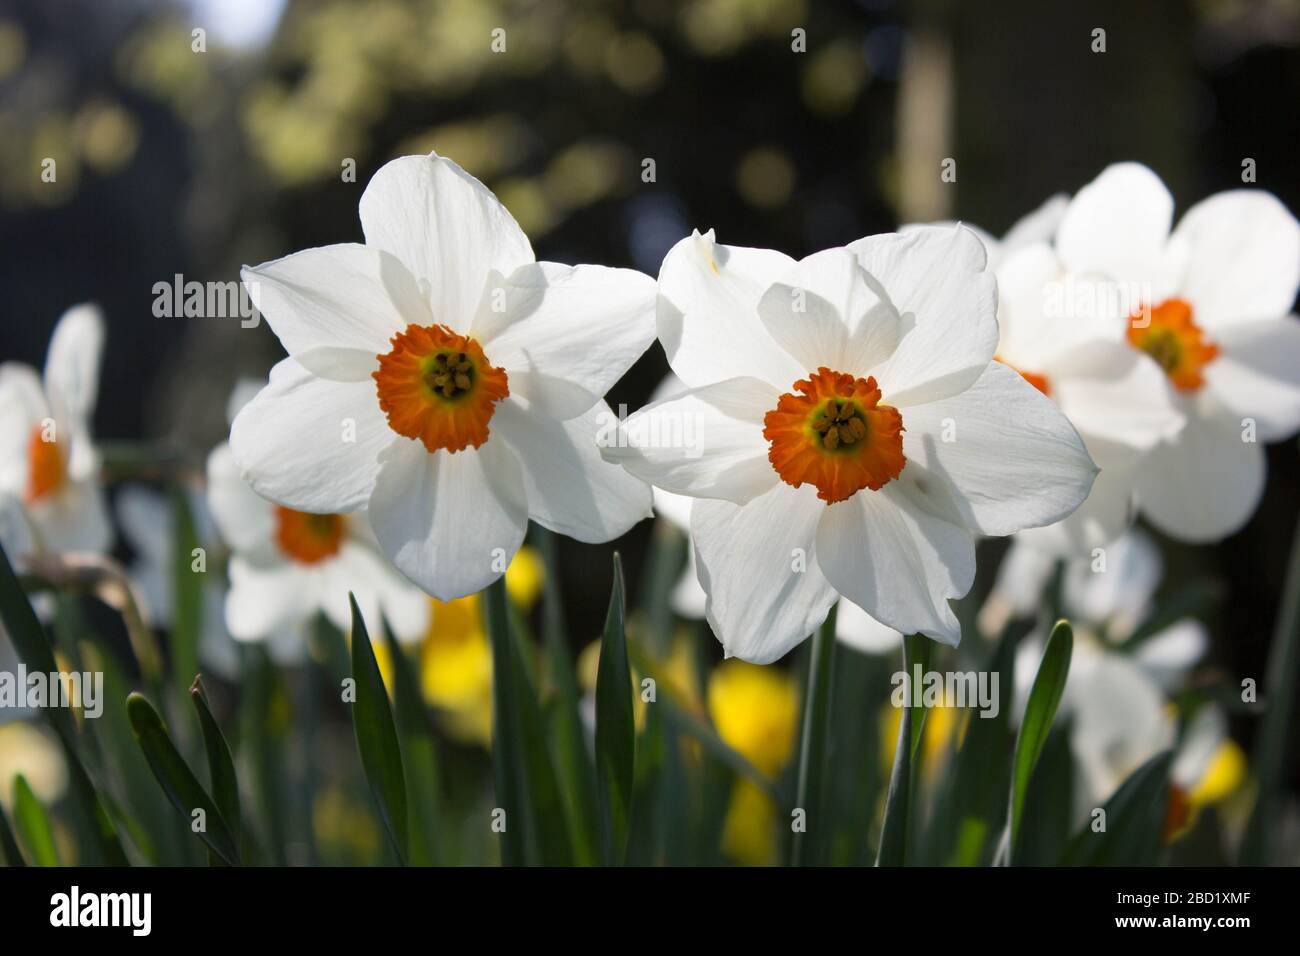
[{"x": 172, "y": 160}]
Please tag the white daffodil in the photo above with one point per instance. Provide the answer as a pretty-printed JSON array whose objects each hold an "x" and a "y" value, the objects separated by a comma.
[
  {"x": 287, "y": 565},
  {"x": 1213, "y": 297},
  {"x": 850, "y": 433},
  {"x": 443, "y": 380},
  {"x": 47, "y": 459}
]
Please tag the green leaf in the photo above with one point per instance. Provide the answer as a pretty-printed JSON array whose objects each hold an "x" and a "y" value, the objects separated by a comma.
[
  {"x": 972, "y": 808},
  {"x": 568, "y": 737},
  {"x": 187, "y": 592},
  {"x": 1134, "y": 821},
  {"x": 808, "y": 843},
  {"x": 177, "y": 780},
  {"x": 1269, "y": 759},
  {"x": 30, "y": 641},
  {"x": 33, "y": 647},
  {"x": 615, "y": 729},
  {"x": 372, "y": 719},
  {"x": 34, "y": 824},
  {"x": 893, "y": 832},
  {"x": 526, "y": 787},
  {"x": 508, "y": 764},
  {"x": 1048, "y": 822},
  {"x": 221, "y": 766},
  {"x": 1040, "y": 711},
  {"x": 9, "y": 852},
  {"x": 419, "y": 754}
]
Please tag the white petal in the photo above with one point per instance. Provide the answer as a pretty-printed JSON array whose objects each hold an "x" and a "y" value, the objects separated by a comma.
[
  {"x": 16, "y": 532},
  {"x": 688, "y": 597},
  {"x": 382, "y": 594},
  {"x": 675, "y": 508},
  {"x": 1037, "y": 226},
  {"x": 1243, "y": 258},
  {"x": 934, "y": 276},
  {"x": 446, "y": 227},
  {"x": 245, "y": 521},
  {"x": 335, "y": 308},
  {"x": 309, "y": 443},
  {"x": 1119, "y": 722},
  {"x": 72, "y": 363},
  {"x": 1118, "y": 225},
  {"x": 1121, "y": 588},
  {"x": 897, "y": 562},
  {"x": 1012, "y": 460},
  {"x": 707, "y": 442},
  {"x": 1168, "y": 657},
  {"x": 568, "y": 333},
  {"x": 1022, "y": 577},
  {"x": 1103, "y": 517},
  {"x": 757, "y": 562},
  {"x": 1116, "y": 393},
  {"x": 243, "y": 392},
  {"x": 265, "y": 599},
  {"x": 450, "y": 522},
  {"x": 708, "y": 313},
  {"x": 1257, "y": 375},
  {"x": 570, "y": 488},
  {"x": 1046, "y": 315},
  {"x": 1204, "y": 484},
  {"x": 862, "y": 632},
  {"x": 827, "y": 311},
  {"x": 22, "y": 409},
  {"x": 1202, "y": 738},
  {"x": 75, "y": 518}
]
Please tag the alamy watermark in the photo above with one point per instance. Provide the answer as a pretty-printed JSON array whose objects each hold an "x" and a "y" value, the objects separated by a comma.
[
  {"x": 947, "y": 689},
  {"x": 37, "y": 689},
  {"x": 180, "y": 299},
  {"x": 659, "y": 429}
]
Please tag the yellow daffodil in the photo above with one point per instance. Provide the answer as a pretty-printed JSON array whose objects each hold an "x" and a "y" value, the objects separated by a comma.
[{"x": 756, "y": 712}]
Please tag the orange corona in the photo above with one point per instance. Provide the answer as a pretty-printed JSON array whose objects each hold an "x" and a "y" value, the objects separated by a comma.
[
  {"x": 438, "y": 387},
  {"x": 45, "y": 473},
  {"x": 308, "y": 538},
  {"x": 1175, "y": 341},
  {"x": 833, "y": 432}
]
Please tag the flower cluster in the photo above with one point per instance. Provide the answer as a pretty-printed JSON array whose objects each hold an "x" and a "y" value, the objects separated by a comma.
[{"x": 836, "y": 435}]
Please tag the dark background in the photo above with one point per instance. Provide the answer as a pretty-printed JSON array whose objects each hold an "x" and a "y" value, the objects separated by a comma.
[{"x": 172, "y": 161}]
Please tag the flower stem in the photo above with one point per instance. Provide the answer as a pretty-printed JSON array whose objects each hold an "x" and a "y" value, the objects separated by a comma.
[
  {"x": 810, "y": 839},
  {"x": 893, "y": 832}
]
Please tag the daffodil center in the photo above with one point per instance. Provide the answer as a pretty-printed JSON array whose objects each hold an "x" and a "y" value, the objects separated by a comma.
[
  {"x": 832, "y": 431},
  {"x": 308, "y": 538},
  {"x": 1168, "y": 333},
  {"x": 450, "y": 374},
  {"x": 841, "y": 425},
  {"x": 437, "y": 387}
]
